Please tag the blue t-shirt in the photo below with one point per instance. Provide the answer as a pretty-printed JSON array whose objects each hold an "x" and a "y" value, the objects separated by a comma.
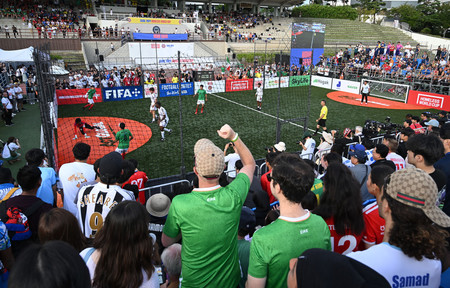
[{"x": 45, "y": 192}]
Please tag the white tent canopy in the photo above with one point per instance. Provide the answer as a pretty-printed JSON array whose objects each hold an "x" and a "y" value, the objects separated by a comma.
[{"x": 22, "y": 55}]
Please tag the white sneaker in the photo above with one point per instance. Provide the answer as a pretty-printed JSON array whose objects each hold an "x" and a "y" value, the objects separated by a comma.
[
  {"x": 75, "y": 138},
  {"x": 85, "y": 136}
]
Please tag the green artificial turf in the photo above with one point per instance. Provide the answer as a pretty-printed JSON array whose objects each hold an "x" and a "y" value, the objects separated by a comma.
[{"x": 257, "y": 130}]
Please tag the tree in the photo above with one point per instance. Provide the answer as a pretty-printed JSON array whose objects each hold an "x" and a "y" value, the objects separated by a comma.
[
  {"x": 409, "y": 14},
  {"x": 376, "y": 6}
]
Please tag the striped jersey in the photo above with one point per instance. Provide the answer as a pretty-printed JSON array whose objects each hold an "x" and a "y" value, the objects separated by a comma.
[{"x": 94, "y": 203}]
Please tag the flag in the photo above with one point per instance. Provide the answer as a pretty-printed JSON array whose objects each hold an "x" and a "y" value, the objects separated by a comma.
[{"x": 228, "y": 64}]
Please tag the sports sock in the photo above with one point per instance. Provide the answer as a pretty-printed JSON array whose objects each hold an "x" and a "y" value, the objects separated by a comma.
[
  {"x": 168, "y": 130},
  {"x": 162, "y": 134},
  {"x": 317, "y": 129},
  {"x": 90, "y": 107},
  {"x": 202, "y": 110}
]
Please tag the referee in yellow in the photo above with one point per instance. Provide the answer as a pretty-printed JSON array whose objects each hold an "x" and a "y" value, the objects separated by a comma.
[{"x": 321, "y": 121}]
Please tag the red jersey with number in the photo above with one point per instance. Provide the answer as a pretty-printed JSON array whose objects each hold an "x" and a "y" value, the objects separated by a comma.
[
  {"x": 139, "y": 178},
  {"x": 374, "y": 225},
  {"x": 343, "y": 244},
  {"x": 265, "y": 185}
]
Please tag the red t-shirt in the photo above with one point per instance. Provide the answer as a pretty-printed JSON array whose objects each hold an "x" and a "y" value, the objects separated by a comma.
[
  {"x": 343, "y": 244},
  {"x": 136, "y": 81},
  {"x": 265, "y": 184},
  {"x": 139, "y": 178},
  {"x": 78, "y": 126},
  {"x": 374, "y": 230},
  {"x": 127, "y": 81}
]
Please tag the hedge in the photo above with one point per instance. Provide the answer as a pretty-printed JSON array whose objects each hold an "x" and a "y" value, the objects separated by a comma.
[{"x": 321, "y": 11}]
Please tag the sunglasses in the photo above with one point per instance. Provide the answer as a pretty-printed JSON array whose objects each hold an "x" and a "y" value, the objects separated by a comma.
[{"x": 270, "y": 178}]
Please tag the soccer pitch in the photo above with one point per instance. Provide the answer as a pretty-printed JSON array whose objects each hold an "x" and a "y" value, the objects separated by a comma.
[{"x": 256, "y": 128}]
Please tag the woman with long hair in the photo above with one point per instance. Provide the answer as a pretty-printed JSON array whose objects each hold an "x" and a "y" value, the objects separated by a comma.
[
  {"x": 60, "y": 224},
  {"x": 341, "y": 207},
  {"x": 123, "y": 254}
]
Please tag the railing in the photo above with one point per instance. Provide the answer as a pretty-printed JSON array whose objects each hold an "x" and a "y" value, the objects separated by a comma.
[{"x": 161, "y": 186}]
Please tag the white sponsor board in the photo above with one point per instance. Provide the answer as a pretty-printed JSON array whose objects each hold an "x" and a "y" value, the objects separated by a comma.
[
  {"x": 147, "y": 89},
  {"x": 272, "y": 82},
  {"x": 345, "y": 85},
  {"x": 149, "y": 51},
  {"x": 211, "y": 86},
  {"x": 319, "y": 81}
]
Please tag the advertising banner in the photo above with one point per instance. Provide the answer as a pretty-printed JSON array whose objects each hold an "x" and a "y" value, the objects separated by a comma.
[
  {"x": 138, "y": 20},
  {"x": 147, "y": 89},
  {"x": 239, "y": 85},
  {"x": 322, "y": 82},
  {"x": 211, "y": 86},
  {"x": 163, "y": 37},
  {"x": 172, "y": 89},
  {"x": 122, "y": 93},
  {"x": 431, "y": 100},
  {"x": 76, "y": 96},
  {"x": 271, "y": 83},
  {"x": 149, "y": 51},
  {"x": 295, "y": 81},
  {"x": 345, "y": 85}
]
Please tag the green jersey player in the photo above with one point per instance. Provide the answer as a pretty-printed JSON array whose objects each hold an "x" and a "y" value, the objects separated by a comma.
[{"x": 202, "y": 98}]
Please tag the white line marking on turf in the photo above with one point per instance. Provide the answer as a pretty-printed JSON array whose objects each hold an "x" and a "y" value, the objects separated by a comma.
[{"x": 274, "y": 117}]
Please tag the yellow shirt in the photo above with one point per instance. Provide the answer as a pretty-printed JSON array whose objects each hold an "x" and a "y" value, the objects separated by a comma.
[
  {"x": 324, "y": 111},
  {"x": 174, "y": 79}
]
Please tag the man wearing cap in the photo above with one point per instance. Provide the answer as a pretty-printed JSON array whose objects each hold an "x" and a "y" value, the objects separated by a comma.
[
  {"x": 360, "y": 171},
  {"x": 308, "y": 146},
  {"x": 413, "y": 243},
  {"x": 295, "y": 231},
  {"x": 432, "y": 125},
  {"x": 158, "y": 207},
  {"x": 208, "y": 217},
  {"x": 247, "y": 225},
  {"x": 95, "y": 202}
]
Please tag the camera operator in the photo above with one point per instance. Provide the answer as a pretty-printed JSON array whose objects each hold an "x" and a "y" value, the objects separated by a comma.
[
  {"x": 308, "y": 144},
  {"x": 346, "y": 137},
  {"x": 358, "y": 134},
  {"x": 443, "y": 118},
  {"x": 9, "y": 150}
]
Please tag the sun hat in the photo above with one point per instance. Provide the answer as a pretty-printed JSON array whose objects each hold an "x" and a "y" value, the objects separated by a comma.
[
  {"x": 209, "y": 159},
  {"x": 280, "y": 146},
  {"x": 158, "y": 205},
  {"x": 328, "y": 137},
  {"x": 415, "y": 188}
]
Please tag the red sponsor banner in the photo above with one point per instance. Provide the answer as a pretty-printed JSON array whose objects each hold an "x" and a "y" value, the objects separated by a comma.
[
  {"x": 239, "y": 85},
  {"x": 431, "y": 100},
  {"x": 76, "y": 96}
]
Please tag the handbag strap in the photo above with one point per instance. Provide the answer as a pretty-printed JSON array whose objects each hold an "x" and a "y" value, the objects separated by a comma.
[
  {"x": 365, "y": 178},
  {"x": 10, "y": 192}
]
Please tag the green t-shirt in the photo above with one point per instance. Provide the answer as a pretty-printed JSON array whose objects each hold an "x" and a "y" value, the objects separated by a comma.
[
  {"x": 244, "y": 255},
  {"x": 201, "y": 94},
  {"x": 91, "y": 93},
  {"x": 274, "y": 245},
  {"x": 317, "y": 189},
  {"x": 208, "y": 220},
  {"x": 123, "y": 136}
]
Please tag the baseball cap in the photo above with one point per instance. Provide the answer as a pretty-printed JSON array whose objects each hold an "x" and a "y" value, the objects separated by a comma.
[
  {"x": 347, "y": 131},
  {"x": 209, "y": 159},
  {"x": 306, "y": 134},
  {"x": 280, "y": 146},
  {"x": 248, "y": 219},
  {"x": 158, "y": 205},
  {"x": 433, "y": 122},
  {"x": 358, "y": 154},
  {"x": 415, "y": 188},
  {"x": 357, "y": 147},
  {"x": 111, "y": 165}
]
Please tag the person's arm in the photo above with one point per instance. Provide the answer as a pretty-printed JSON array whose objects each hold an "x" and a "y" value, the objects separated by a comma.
[
  {"x": 225, "y": 149},
  {"x": 253, "y": 282},
  {"x": 248, "y": 162},
  {"x": 167, "y": 241},
  {"x": 131, "y": 137},
  {"x": 206, "y": 97}
]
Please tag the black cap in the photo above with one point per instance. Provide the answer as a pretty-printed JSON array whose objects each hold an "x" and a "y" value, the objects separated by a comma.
[
  {"x": 111, "y": 165},
  {"x": 248, "y": 219}
]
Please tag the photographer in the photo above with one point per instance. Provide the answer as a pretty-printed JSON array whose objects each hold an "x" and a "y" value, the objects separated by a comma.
[
  {"x": 9, "y": 150},
  {"x": 308, "y": 144}
]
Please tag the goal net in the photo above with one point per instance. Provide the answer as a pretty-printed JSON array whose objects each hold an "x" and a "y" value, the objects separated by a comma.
[{"x": 387, "y": 90}]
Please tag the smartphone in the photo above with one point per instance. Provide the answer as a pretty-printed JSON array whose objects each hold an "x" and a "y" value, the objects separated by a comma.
[{"x": 161, "y": 274}]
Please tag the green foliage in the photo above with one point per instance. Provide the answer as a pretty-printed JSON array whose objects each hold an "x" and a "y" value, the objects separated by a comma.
[
  {"x": 249, "y": 57},
  {"x": 320, "y": 11},
  {"x": 55, "y": 57},
  {"x": 425, "y": 30},
  {"x": 372, "y": 6}
]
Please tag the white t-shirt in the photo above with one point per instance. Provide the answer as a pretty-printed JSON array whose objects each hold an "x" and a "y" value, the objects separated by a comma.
[
  {"x": 7, "y": 152},
  {"x": 399, "y": 269},
  {"x": 153, "y": 98},
  {"x": 231, "y": 160},
  {"x": 6, "y": 102},
  {"x": 153, "y": 282},
  {"x": 18, "y": 92},
  {"x": 365, "y": 88},
  {"x": 162, "y": 112},
  {"x": 95, "y": 202},
  {"x": 72, "y": 175},
  {"x": 259, "y": 91},
  {"x": 310, "y": 144},
  {"x": 397, "y": 159}
]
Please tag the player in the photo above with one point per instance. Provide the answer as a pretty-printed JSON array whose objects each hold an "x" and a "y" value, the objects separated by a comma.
[
  {"x": 202, "y": 98},
  {"x": 124, "y": 137},
  {"x": 163, "y": 120},
  {"x": 80, "y": 125},
  {"x": 153, "y": 98},
  {"x": 259, "y": 96},
  {"x": 90, "y": 95},
  {"x": 365, "y": 91},
  {"x": 322, "y": 118}
]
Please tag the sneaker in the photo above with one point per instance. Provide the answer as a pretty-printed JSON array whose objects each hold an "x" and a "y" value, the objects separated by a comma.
[
  {"x": 195, "y": 113},
  {"x": 13, "y": 114},
  {"x": 75, "y": 138},
  {"x": 87, "y": 136},
  {"x": 170, "y": 132},
  {"x": 163, "y": 139},
  {"x": 23, "y": 109},
  {"x": 153, "y": 121}
]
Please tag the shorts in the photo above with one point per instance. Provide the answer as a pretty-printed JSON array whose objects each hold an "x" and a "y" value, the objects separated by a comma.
[
  {"x": 153, "y": 107},
  {"x": 90, "y": 101},
  {"x": 321, "y": 123},
  {"x": 200, "y": 102},
  {"x": 121, "y": 150},
  {"x": 259, "y": 98},
  {"x": 163, "y": 123}
]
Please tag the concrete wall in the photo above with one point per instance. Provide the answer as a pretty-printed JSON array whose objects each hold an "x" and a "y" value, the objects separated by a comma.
[{"x": 429, "y": 42}]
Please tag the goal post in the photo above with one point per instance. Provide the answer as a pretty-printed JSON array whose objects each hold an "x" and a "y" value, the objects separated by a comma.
[{"x": 388, "y": 90}]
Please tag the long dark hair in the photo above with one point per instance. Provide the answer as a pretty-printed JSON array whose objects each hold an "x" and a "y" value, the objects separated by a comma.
[
  {"x": 341, "y": 199},
  {"x": 60, "y": 224},
  {"x": 126, "y": 249}
]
